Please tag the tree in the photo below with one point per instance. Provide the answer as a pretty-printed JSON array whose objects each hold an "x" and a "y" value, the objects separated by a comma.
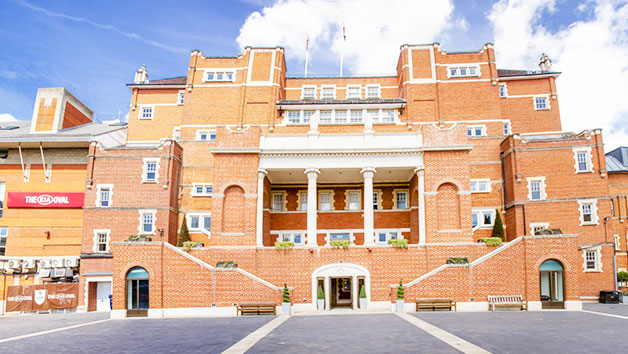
[
  {"x": 401, "y": 292},
  {"x": 286, "y": 293},
  {"x": 498, "y": 227},
  {"x": 184, "y": 234}
]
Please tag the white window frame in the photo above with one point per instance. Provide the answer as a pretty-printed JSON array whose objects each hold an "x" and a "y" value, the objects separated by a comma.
[
  {"x": 377, "y": 199},
  {"x": 99, "y": 188},
  {"x": 589, "y": 161},
  {"x": 378, "y": 87},
  {"x": 535, "y": 225},
  {"x": 176, "y": 133},
  {"x": 541, "y": 180},
  {"x": 145, "y": 170},
  {"x": 181, "y": 97},
  {"x": 96, "y": 243},
  {"x": 284, "y": 201},
  {"x": 327, "y": 87},
  {"x": 395, "y": 197},
  {"x": 349, "y": 87},
  {"x": 474, "y": 128},
  {"x": 478, "y": 182},
  {"x": 6, "y": 237},
  {"x": 467, "y": 67},
  {"x": 302, "y": 195},
  {"x": 547, "y": 102},
  {"x": 208, "y": 133},
  {"x": 214, "y": 72},
  {"x": 204, "y": 187},
  {"x": 481, "y": 214},
  {"x": 304, "y": 87},
  {"x": 141, "y": 112},
  {"x": 348, "y": 193},
  {"x": 617, "y": 240},
  {"x": 506, "y": 128},
  {"x": 503, "y": 93},
  {"x": 140, "y": 228},
  {"x": 331, "y": 200},
  {"x": 289, "y": 237},
  {"x": 395, "y": 234},
  {"x": 597, "y": 251},
  {"x": 594, "y": 216},
  {"x": 201, "y": 223}
]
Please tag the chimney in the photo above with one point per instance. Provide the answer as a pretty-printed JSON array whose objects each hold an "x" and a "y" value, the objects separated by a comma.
[
  {"x": 546, "y": 63},
  {"x": 141, "y": 76}
]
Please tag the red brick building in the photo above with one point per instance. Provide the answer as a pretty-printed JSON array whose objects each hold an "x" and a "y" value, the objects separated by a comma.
[{"x": 340, "y": 170}]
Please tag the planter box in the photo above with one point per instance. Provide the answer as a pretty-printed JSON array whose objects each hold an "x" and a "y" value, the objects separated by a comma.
[
  {"x": 362, "y": 303},
  {"x": 285, "y": 308},
  {"x": 399, "y": 304},
  {"x": 321, "y": 304},
  {"x": 623, "y": 299}
]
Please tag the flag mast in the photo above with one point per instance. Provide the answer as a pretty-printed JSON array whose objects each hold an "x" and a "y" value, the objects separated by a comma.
[
  {"x": 307, "y": 52},
  {"x": 342, "y": 49}
]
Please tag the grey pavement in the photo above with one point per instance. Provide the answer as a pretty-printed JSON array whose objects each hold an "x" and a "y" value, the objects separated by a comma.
[
  {"x": 614, "y": 309},
  {"x": 534, "y": 332},
  {"x": 11, "y": 326},
  {"x": 381, "y": 333}
]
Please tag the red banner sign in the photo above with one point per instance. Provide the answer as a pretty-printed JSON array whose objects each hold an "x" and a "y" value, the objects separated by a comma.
[
  {"x": 42, "y": 297},
  {"x": 45, "y": 200}
]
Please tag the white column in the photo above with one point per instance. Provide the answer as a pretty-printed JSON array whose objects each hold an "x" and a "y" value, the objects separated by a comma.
[
  {"x": 354, "y": 292},
  {"x": 420, "y": 173},
  {"x": 328, "y": 293},
  {"x": 259, "y": 222},
  {"x": 312, "y": 231},
  {"x": 369, "y": 236}
]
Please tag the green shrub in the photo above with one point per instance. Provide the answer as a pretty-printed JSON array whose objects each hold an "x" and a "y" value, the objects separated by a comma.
[
  {"x": 321, "y": 293},
  {"x": 338, "y": 244},
  {"x": 402, "y": 243},
  {"x": 188, "y": 245},
  {"x": 184, "y": 234},
  {"x": 286, "y": 293},
  {"x": 458, "y": 260},
  {"x": 284, "y": 245},
  {"x": 362, "y": 292},
  {"x": 139, "y": 238},
  {"x": 556, "y": 231},
  {"x": 622, "y": 276},
  {"x": 498, "y": 227},
  {"x": 401, "y": 292},
  {"x": 491, "y": 241},
  {"x": 227, "y": 264}
]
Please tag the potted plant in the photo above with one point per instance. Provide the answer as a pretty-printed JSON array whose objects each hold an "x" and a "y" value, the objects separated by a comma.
[
  {"x": 401, "y": 294},
  {"x": 321, "y": 298},
  {"x": 362, "y": 298},
  {"x": 623, "y": 297},
  {"x": 285, "y": 304}
]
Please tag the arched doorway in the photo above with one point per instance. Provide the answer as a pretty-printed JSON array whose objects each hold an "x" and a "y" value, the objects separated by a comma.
[
  {"x": 341, "y": 283},
  {"x": 137, "y": 292},
  {"x": 552, "y": 285}
]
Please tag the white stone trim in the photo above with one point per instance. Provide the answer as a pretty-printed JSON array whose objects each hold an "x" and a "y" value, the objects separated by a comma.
[
  {"x": 543, "y": 193},
  {"x": 140, "y": 227},
  {"x": 208, "y": 132},
  {"x": 503, "y": 84},
  {"x": 474, "y": 128},
  {"x": 587, "y": 150},
  {"x": 303, "y": 87},
  {"x": 328, "y": 86},
  {"x": 99, "y": 188},
  {"x": 547, "y": 102},
  {"x": 201, "y": 223},
  {"x": 194, "y": 193},
  {"x": 366, "y": 90},
  {"x": 594, "y": 216},
  {"x": 481, "y": 212},
  {"x": 478, "y": 181},
  {"x": 145, "y": 167},
  {"x": 598, "y": 259},
  {"x": 95, "y": 240},
  {"x": 141, "y": 111}
]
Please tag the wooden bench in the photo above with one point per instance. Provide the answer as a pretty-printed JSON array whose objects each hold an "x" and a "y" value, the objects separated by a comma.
[
  {"x": 506, "y": 300},
  {"x": 433, "y": 304},
  {"x": 256, "y": 308}
]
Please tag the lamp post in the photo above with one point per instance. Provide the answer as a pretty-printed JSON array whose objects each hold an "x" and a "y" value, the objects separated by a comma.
[{"x": 606, "y": 219}]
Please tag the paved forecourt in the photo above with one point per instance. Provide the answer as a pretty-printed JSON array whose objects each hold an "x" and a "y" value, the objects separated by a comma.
[{"x": 12, "y": 326}]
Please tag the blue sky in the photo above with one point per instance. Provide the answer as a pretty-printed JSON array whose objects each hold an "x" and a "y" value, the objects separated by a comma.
[{"x": 93, "y": 48}]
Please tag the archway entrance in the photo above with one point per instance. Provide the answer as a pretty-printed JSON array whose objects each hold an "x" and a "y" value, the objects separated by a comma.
[
  {"x": 341, "y": 283},
  {"x": 137, "y": 292},
  {"x": 552, "y": 285}
]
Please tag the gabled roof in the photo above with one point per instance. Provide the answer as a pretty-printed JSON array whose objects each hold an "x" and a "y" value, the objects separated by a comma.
[
  {"x": 14, "y": 133},
  {"x": 617, "y": 160},
  {"x": 503, "y": 73}
]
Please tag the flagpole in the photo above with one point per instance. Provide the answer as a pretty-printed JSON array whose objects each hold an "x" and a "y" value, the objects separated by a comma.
[
  {"x": 342, "y": 49},
  {"x": 307, "y": 53}
]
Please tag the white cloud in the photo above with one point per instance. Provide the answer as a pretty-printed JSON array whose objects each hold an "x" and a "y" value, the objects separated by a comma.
[
  {"x": 7, "y": 117},
  {"x": 591, "y": 55},
  {"x": 375, "y": 30}
]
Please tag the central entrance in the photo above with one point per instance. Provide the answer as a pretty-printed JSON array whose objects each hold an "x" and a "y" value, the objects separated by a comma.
[
  {"x": 342, "y": 292},
  {"x": 551, "y": 279},
  {"x": 341, "y": 284}
]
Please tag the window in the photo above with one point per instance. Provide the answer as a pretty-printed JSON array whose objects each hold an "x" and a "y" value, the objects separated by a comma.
[
  {"x": 303, "y": 201},
  {"x": 324, "y": 117},
  {"x": 181, "y": 98},
  {"x": 101, "y": 241},
  {"x": 541, "y": 103},
  {"x": 278, "y": 199},
  {"x": 328, "y": 92},
  {"x": 294, "y": 117},
  {"x": 151, "y": 168},
  {"x": 340, "y": 117},
  {"x": 104, "y": 195},
  {"x": 354, "y": 202},
  {"x": 324, "y": 201},
  {"x": 482, "y": 218},
  {"x": 388, "y": 116},
  {"x": 3, "y": 240},
  {"x": 307, "y": 116},
  {"x": 588, "y": 212},
  {"x": 401, "y": 200},
  {"x": 480, "y": 185},
  {"x": 506, "y": 127},
  {"x": 354, "y": 92},
  {"x": 146, "y": 112},
  {"x": 356, "y": 116},
  {"x": 463, "y": 71},
  {"x": 583, "y": 159},
  {"x": 375, "y": 200},
  {"x": 612, "y": 208},
  {"x": 536, "y": 188},
  {"x": 340, "y": 237},
  {"x": 476, "y": 130},
  {"x": 537, "y": 227},
  {"x": 202, "y": 189},
  {"x": 200, "y": 223},
  {"x": 503, "y": 90},
  {"x": 372, "y": 92},
  {"x": 205, "y": 135},
  {"x": 385, "y": 236},
  {"x": 2, "y": 190},
  {"x": 176, "y": 134},
  {"x": 147, "y": 221},
  {"x": 220, "y": 75},
  {"x": 592, "y": 259},
  {"x": 308, "y": 92},
  {"x": 297, "y": 238},
  {"x": 616, "y": 238},
  {"x": 373, "y": 114}
]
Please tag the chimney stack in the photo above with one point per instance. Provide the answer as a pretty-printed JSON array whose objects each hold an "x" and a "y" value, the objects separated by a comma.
[
  {"x": 546, "y": 63},
  {"x": 141, "y": 76}
]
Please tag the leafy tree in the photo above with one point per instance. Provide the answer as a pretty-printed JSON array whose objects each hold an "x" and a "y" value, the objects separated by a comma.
[
  {"x": 401, "y": 292},
  {"x": 321, "y": 293},
  {"x": 184, "y": 234},
  {"x": 363, "y": 292},
  {"x": 286, "y": 293},
  {"x": 498, "y": 227}
]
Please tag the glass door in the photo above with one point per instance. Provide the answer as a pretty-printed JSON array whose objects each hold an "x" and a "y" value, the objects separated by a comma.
[
  {"x": 551, "y": 284},
  {"x": 137, "y": 292}
]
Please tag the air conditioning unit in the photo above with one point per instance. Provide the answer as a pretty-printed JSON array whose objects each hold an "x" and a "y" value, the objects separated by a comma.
[
  {"x": 70, "y": 262},
  {"x": 44, "y": 273},
  {"x": 28, "y": 263},
  {"x": 57, "y": 262},
  {"x": 45, "y": 263},
  {"x": 58, "y": 273},
  {"x": 15, "y": 264}
]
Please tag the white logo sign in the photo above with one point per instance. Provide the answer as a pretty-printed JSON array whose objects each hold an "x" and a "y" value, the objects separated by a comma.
[
  {"x": 40, "y": 296},
  {"x": 46, "y": 199}
]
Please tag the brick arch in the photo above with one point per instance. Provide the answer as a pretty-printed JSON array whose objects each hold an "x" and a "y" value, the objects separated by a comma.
[
  {"x": 233, "y": 209},
  {"x": 448, "y": 207},
  {"x": 130, "y": 266},
  {"x": 562, "y": 260},
  {"x": 234, "y": 184}
]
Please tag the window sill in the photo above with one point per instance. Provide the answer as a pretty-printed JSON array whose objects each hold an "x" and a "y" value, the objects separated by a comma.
[
  {"x": 584, "y": 171},
  {"x": 149, "y": 181},
  {"x": 145, "y": 118},
  {"x": 592, "y": 271},
  {"x": 589, "y": 224},
  {"x": 202, "y": 195}
]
